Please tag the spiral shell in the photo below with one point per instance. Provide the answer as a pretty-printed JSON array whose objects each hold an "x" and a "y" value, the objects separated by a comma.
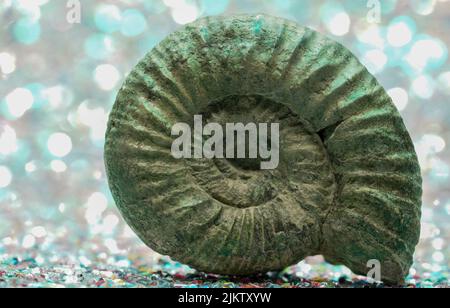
[{"x": 348, "y": 184}]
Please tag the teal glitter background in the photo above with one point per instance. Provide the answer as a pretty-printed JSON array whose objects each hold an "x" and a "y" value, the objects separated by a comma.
[{"x": 58, "y": 81}]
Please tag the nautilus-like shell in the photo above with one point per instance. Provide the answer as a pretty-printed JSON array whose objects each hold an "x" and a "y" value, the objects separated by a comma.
[{"x": 348, "y": 183}]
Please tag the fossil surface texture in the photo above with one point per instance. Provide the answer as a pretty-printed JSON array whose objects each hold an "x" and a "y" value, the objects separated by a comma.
[{"x": 348, "y": 183}]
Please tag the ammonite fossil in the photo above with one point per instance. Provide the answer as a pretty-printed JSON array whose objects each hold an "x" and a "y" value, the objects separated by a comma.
[{"x": 348, "y": 183}]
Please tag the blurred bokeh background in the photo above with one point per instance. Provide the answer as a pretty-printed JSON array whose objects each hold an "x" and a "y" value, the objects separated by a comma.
[{"x": 58, "y": 81}]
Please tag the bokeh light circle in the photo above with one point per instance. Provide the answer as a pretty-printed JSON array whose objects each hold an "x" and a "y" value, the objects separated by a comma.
[{"x": 59, "y": 144}]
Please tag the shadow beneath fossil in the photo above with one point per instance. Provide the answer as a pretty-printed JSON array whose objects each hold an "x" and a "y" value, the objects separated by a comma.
[{"x": 268, "y": 280}]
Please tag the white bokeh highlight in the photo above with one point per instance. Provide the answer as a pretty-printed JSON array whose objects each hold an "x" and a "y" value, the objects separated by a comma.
[
  {"x": 59, "y": 144},
  {"x": 19, "y": 101}
]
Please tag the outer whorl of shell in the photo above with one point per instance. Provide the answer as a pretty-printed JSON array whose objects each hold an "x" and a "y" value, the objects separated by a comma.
[{"x": 348, "y": 185}]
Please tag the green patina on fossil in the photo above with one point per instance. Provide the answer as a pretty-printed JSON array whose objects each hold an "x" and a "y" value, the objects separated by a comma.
[{"x": 348, "y": 185}]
